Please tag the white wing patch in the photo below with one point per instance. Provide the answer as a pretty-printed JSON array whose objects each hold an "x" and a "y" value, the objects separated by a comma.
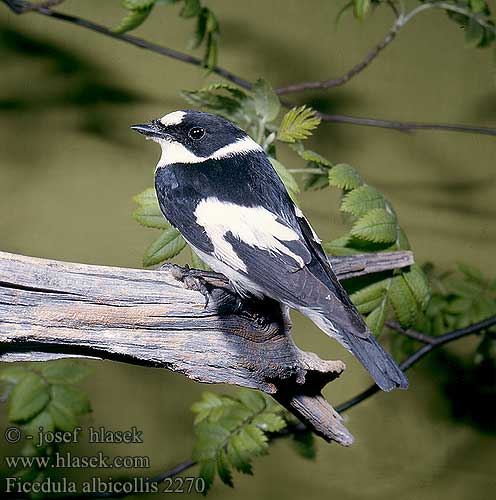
[
  {"x": 174, "y": 118},
  {"x": 255, "y": 226},
  {"x": 174, "y": 152}
]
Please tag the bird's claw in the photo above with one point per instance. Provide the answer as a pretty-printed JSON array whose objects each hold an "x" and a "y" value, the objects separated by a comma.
[{"x": 192, "y": 278}]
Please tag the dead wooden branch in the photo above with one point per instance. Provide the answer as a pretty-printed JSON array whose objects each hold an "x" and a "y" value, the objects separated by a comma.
[{"x": 51, "y": 309}]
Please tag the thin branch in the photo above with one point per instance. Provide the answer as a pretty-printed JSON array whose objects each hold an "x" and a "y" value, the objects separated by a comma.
[
  {"x": 419, "y": 354},
  {"x": 405, "y": 126},
  {"x": 355, "y": 70},
  {"x": 400, "y": 22},
  {"x": 22, "y": 7},
  {"x": 413, "y": 334}
]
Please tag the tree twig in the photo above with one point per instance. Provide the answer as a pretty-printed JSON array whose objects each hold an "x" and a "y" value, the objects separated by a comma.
[
  {"x": 21, "y": 7},
  {"x": 419, "y": 354},
  {"x": 413, "y": 334},
  {"x": 400, "y": 21}
]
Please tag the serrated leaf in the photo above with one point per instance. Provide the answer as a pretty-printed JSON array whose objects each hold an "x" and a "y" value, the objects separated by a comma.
[
  {"x": 73, "y": 398},
  {"x": 375, "y": 320},
  {"x": 304, "y": 444},
  {"x": 403, "y": 301},
  {"x": 345, "y": 177},
  {"x": 417, "y": 282},
  {"x": 191, "y": 8},
  {"x": 43, "y": 420},
  {"x": 167, "y": 245},
  {"x": 207, "y": 473},
  {"x": 132, "y": 20},
  {"x": 206, "y": 406},
  {"x": 377, "y": 225},
  {"x": 297, "y": 124},
  {"x": 370, "y": 297},
  {"x": 200, "y": 30},
  {"x": 28, "y": 398},
  {"x": 236, "y": 456},
  {"x": 253, "y": 440},
  {"x": 286, "y": 177},
  {"x": 269, "y": 422},
  {"x": 471, "y": 272},
  {"x": 253, "y": 400},
  {"x": 148, "y": 213},
  {"x": 223, "y": 468},
  {"x": 236, "y": 92},
  {"x": 65, "y": 371},
  {"x": 220, "y": 104},
  {"x": 267, "y": 103},
  {"x": 361, "y": 8},
  {"x": 362, "y": 199}
]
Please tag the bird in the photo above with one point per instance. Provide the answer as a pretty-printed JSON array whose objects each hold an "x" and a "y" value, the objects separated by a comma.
[{"x": 217, "y": 186}]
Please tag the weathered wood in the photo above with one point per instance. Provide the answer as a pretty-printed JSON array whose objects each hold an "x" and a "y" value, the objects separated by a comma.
[{"x": 52, "y": 309}]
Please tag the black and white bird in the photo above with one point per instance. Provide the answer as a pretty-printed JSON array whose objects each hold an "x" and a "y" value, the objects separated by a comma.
[{"x": 217, "y": 186}]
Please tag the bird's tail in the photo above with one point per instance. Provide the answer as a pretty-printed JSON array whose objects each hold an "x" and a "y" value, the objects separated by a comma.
[{"x": 379, "y": 363}]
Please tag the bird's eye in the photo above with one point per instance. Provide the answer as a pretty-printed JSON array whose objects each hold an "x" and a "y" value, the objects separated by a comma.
[{"x": 196, "y": 133}]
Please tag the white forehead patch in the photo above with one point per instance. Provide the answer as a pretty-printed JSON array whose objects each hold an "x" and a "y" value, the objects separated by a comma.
[{"x": 174, "y": 118}]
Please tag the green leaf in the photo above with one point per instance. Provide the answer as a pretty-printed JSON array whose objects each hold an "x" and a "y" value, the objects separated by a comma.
[
  {"x": 361, "y": 8},
  {"x": 304, "y": 444},
  {"x": 269, "y": 422},
  {"x": 207, "y": 472},
  {"x": 239, "y": 459},
  {"x": 28, "y": 398},
  {"x": 166, "y": 246},
  {"x": 191, "y": 8},
  {"x": 267, "y": 103},
  {"x": 200, "y": 30},
  {"x": 297, "y": 124},
  {"x": 197, "y": 263},
  {"x": 417, "y": 282},
  {"x": 375, "y": 320},
  {"x": 370, "y": 297},
  {"x": 472, "y": 273},
  {"x": 43, "y": 420},
  {"x": 225, "y": 106},
  {"x": 236, "y": 92},
  {"x": 148, "y": 213},
  {"x": 340, "y": 246},
  {"x": 345, "y": 177},
  {"x": 134, "y": 19},
  {"x": 253, "y": 400},
  {"x": 403, "y": 301},
  {"x": 223, "y": 468},
  {"x": 474, "y": 33},
  {"x": 478, "y": 5},
  {"x": 72, "y": 398},
  {"x": 65, "y": 371},
  {"x": 137, "y": 4},
  {"x": 209, "y": 403},
  {"x": 14, "y": 374},
  {"x": 66, "y": 404},
  {"x": 377, "y": 225},
  {"x": 286, "y": 177},
  {"x": 362, "y": 199}
]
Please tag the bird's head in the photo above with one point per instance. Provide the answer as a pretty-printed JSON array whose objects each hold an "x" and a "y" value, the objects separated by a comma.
[{"x": 190, "y": 136}]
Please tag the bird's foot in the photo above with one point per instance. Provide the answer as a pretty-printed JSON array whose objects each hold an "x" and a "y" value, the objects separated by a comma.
[{"x": 194, "y": 279}]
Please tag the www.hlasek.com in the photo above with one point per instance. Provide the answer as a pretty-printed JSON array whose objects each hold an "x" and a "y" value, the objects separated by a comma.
[{"x": 58, "y": 459}]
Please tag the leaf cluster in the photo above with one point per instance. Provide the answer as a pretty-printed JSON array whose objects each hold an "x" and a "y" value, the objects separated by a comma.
[
  {"x": 232, "y": 430},
  {"x": 206, "y": 29},
  {"x": 44, "y": 396}
]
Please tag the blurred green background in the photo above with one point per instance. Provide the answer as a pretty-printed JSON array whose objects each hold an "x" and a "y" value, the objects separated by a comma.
[{"x": 69, "y": 166}]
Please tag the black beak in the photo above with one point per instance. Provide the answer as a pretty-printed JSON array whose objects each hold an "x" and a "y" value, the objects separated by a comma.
[{"x": 147, "y": 129}]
